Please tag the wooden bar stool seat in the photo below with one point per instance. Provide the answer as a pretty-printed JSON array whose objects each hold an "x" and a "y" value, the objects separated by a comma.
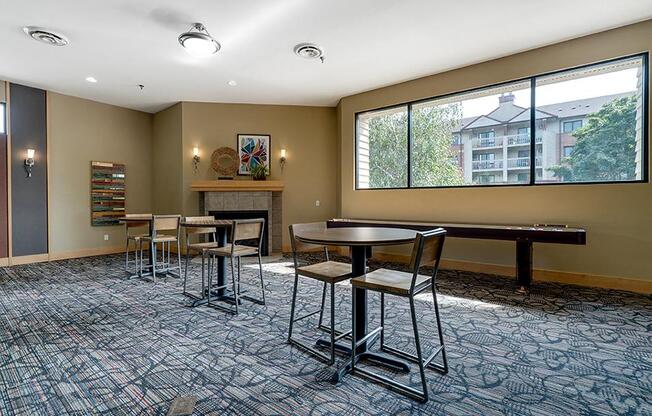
[
  {"x": 391, "y": 281},
  {"x": 236, "y": 250},
  {"x": 202, "y": 246},
  {"x": 328, "y": 271},
  {"x": 164, "y": 238}
]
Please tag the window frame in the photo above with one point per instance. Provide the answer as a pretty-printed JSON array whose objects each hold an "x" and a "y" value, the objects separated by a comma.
[
  {"x": 644, "y": 56},
  {"x": 572, "y": 122},
  {"x": 3, "y": 115}
]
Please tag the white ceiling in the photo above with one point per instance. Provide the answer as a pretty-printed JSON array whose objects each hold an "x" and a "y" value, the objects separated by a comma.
[{"x": 368, "y": 43}]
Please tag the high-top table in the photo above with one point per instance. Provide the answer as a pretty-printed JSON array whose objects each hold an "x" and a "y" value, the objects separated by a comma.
[
  {"x": 149, "y": 219},
  {"x": 360, "y": 239}
]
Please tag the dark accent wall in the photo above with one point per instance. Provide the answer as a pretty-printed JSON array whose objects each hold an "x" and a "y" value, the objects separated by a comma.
[{"x": 29, "y": 198}]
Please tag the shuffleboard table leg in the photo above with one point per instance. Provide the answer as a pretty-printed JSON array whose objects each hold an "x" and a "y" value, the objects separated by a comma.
[{"x": 523, "y": 265}]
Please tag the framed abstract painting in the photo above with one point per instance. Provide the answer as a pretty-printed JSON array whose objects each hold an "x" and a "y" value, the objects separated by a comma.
[{"x": 253, "y": 150}]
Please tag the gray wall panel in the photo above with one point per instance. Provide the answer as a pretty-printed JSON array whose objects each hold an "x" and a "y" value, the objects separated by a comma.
[{"x": 29, "y": 199}]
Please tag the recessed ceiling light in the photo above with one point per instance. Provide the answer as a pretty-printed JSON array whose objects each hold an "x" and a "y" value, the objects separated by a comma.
[
  {"x": 198, "y": 42},
  {"x": 232, "y": 83},
  {"x": 91, "y": 79},
  {"x": 46, "y": 36}
]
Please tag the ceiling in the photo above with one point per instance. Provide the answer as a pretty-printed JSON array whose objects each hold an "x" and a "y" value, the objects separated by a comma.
[{"x": 368, "y": 44}]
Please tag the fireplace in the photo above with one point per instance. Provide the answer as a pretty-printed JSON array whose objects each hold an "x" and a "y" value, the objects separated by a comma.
[
  {"x": 247, "y": 215},
  {"x": 243, "y": 204}
]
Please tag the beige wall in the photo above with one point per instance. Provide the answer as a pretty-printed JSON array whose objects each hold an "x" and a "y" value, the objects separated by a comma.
[
  {"x": 81, "y": 131},
  {"x": 308, "y": 133},
  {"x": 167, "y": 170},
  {"x": 617, "y": 217}
]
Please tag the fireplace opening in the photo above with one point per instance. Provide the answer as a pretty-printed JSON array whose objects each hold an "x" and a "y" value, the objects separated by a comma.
[{"x": 247, "y": 215}]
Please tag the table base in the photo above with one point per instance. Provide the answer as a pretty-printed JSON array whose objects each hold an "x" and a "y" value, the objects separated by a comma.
[{"x": 384, "y": 360}]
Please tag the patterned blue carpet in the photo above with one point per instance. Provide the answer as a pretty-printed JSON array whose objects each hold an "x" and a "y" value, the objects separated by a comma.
[{"x": 77, "y": 338}]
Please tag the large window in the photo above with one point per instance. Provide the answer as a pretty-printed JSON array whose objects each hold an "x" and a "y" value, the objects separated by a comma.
[{"x": 589, "y": 126}]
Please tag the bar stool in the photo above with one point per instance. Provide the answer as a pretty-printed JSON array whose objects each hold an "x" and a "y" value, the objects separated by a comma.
[
  {"x": 241, "y": 230},
  {"x": 328, "y": 272},
  {"x": 426, "y": 251},
  {"x": 198, "y": 247},
  {"x": 131, "y": 228},
  {"x": 160, "y": 225}
]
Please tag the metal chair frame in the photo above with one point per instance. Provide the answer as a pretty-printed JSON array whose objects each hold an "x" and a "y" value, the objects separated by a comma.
[
  {"x": 165, "y": 265},
  {"x": 137, "y": 239},
  {"x": 189, "y": 248},
  {"x": 335, "y": 335},
  {"x": 421, "y": 395},
  {"x": 212, "y": 259}
]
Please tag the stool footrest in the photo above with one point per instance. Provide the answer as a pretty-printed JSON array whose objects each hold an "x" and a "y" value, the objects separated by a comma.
[
  {"x": 308, "y": 315},
  {"x": 368, "y": 336},
  {"x": 342, "y": 335},
  {"x": 426, "y": 363}
]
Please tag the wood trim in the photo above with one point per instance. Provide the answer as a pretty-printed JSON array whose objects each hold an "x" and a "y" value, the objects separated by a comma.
[
  {"x": 48, "y": 182},
  {"x": 10, "y": 227},
  {"x": 33, "y": 258},
  {"x": 237, "y": 186},
  {"x": 4, "y": 262},
  {"x": 541, "y": 275},
  {"x": 88, "y": 252}
]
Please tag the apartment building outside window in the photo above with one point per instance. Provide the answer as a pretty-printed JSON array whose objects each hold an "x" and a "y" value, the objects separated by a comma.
[{"x": 588, "y": 127}]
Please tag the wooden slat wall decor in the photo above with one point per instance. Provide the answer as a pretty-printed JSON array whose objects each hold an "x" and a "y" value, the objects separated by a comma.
[{"x": 107, "y": 193}]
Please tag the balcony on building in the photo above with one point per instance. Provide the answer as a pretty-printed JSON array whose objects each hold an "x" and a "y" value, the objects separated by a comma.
[{"x": 485, "y": 165}]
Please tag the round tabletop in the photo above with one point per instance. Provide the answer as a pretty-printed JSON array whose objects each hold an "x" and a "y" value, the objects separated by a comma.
[{"x": 358, "y": 236}]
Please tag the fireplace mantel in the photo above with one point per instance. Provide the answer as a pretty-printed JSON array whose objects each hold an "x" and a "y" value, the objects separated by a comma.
[{"x": 237, "y": 186}]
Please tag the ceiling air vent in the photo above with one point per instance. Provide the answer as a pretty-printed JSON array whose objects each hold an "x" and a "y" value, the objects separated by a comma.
[
  {"x": 309, "y": 51},
  {"x": 45, "y": 36}
]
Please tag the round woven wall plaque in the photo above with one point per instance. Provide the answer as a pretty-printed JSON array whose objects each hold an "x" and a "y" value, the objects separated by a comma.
[{"x": 224, "y": 161}]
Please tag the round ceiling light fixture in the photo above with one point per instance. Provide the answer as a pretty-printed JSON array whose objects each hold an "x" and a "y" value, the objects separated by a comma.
[
  {"x": 309, "y": 51},
  {"x": 46, "y": 36},
  {"x": 198, "y": 42}
]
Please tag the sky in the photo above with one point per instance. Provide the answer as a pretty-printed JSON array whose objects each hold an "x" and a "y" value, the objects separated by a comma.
[{"x": 594, "y": 86}]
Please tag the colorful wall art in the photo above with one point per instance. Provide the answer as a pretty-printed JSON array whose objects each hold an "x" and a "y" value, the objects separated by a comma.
[
  {"x": 253, "y": 150},
  {"x": 107, "y": 193}
]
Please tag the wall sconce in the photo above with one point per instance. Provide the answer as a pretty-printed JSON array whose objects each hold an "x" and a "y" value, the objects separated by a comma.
[
  {"x": 283, "y": 158},
  {"x": 195, "y": 158},
  {"x": 29, "y": 162}
]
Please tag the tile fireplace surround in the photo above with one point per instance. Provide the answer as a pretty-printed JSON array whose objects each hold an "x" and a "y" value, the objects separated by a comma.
[{"x": 246, "y": 196}]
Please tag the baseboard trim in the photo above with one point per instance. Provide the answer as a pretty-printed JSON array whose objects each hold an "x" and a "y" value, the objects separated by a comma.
[
  {"x": 87, "y": 252},
  {"x": 34, "y": 258},
  {"x": 541, "y": 275}
]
